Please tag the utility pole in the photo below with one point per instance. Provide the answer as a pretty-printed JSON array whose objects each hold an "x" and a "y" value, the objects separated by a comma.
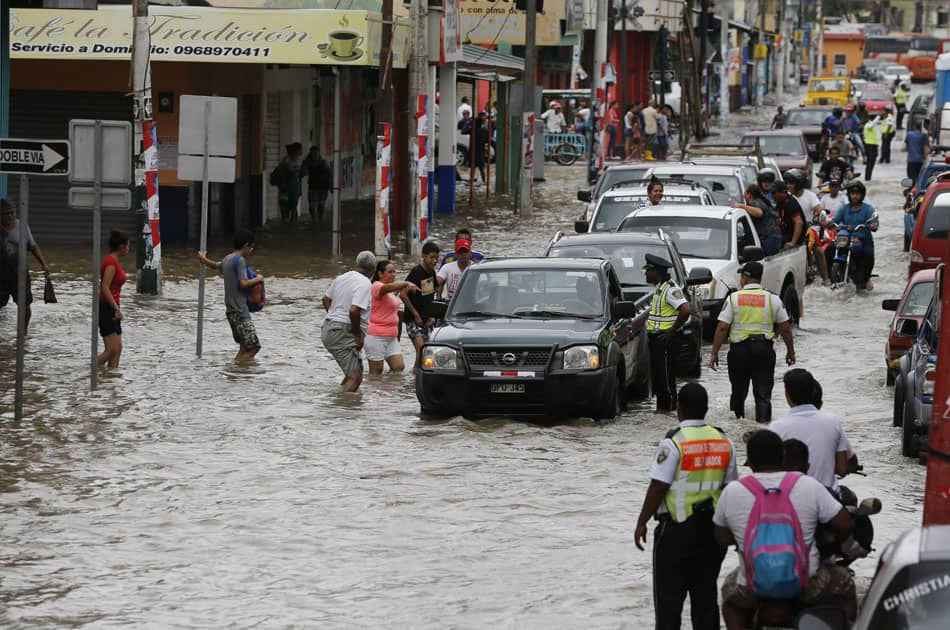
[
  {"x": 623, "y": 56},
  {"x": 148, "y": 277},
  {"x": 4, "y": 82},
  {"x": 598, "y": 94},
  {"x": 820, "y": 24},
  {"x": 780, "y": 57},
  {"x": 724, "y": 48},
  {"x": 418, "y": 81},
  {"x": 525, "y": 173}
]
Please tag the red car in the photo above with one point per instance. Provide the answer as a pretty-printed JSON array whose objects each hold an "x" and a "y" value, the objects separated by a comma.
[
  {"x": 928, "y": 245},
  {"x": 909, "y": 312},
  {"x": 876, "y": 97}
]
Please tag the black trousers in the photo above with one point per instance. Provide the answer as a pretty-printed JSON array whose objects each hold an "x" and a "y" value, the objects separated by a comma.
[
  {"x": 886, "y": 148},
  {"x": 870, "y": 157},
  {"x": 901, "y": 110},
  {"x": 752, "y": 361},
  {"x": 662, "y": 356},
  {"x": 913, "y": 170},
  {"x": 686, "y": 560}
]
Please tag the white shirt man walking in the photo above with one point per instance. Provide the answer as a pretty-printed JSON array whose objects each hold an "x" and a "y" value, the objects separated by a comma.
[{"x": 347, "y": 302}]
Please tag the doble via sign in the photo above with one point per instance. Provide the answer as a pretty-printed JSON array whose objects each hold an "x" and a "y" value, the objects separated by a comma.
[{"x": 34, "y": 157}]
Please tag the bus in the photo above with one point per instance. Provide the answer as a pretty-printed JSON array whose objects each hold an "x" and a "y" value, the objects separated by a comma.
[
  {"x": 886, "y": 47},
  {"x": 916, "y": 51}
]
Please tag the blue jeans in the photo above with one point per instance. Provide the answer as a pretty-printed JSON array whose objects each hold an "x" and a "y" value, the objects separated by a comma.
[
  {"x": 771, "y": 245},
  {"x": 611, "y": 139}
]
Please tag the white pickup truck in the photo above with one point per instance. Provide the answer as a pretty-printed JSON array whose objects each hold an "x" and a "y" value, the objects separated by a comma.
[{"x": 721, "y": 239}]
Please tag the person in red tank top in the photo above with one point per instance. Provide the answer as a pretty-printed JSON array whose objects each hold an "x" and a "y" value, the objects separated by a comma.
[{"x": 111, "y": 279}]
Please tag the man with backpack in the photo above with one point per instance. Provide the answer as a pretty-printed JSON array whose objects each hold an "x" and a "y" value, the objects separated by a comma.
[
  {"x": 691, "y": 466},
  {"x": 771, "y": 517}
]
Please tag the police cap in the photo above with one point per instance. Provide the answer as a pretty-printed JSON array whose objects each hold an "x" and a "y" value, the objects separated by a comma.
[
  {"x": 7, "y": 206},
  {"x": 752, "y": 270},
  {"x": 656, "y": 262}
]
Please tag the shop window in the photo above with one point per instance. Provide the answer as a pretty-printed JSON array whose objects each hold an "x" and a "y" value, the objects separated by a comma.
[
  {"x": 943, "y": 18},
  {"x": 841, "y": 59}
]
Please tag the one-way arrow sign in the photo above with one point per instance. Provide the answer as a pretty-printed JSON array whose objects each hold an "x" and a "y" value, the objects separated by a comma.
[{"x": 34, "y": 157}]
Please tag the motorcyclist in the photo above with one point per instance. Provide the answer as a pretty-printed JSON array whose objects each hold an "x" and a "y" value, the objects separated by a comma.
[
  {"x": 858, "y": 213},
  {"x": 833, "y": 124},
  {"x": 851, "y": 125},
  {"x": 835, "y": 167}
]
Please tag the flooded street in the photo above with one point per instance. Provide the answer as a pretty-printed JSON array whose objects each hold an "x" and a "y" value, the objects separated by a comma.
[{"x": 200, "y": 493}]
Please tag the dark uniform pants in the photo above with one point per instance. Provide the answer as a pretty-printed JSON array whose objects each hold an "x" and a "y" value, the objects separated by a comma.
[
  {"x": 870, "y": 157},
  {"x": 686, "y": 559},
  {"x": 752, "y": 361},
  {"x": 901, "y": 111},
  {"x": 662, "y": 355}
]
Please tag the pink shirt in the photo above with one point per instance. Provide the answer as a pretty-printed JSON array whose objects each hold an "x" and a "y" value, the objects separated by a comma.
[
  {"x": 384, "y": 314},
  {"x": 613, "y": 117}
]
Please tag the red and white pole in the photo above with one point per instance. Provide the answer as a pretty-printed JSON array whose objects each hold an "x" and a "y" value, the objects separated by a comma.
[
  {"x": 937, "y": 489},
  {"x": 422, "y": 166},
  {"x": 383, "y": 239}
]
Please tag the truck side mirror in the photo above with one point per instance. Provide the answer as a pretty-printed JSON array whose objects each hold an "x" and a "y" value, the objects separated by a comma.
[
  {"x": 751, "y": 253},
  {"x": 438, "y": 308},
  {"x": 583, "y": 195},
  {"x": 698, "y": 276},
  {"x": 581, "y": 226},
  {"x": 908, "y": 327},
  {"x": 890, "y": 305}
]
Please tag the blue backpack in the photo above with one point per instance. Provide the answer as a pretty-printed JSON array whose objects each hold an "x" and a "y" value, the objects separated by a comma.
[
  {"x": 256, "y": 296},
  {"x": 776, "y": 557}
]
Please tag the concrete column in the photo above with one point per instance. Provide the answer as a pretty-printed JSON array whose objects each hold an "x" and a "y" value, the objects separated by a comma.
[
  {"x": 431, "y": 84},
  {"x": 446, "y": 169}
]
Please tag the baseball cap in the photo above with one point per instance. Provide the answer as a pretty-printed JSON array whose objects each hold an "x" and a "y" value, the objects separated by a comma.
[
  {"x": 7, "y": 206},
  {"x": 463, "y": 243},
  {"x": 752, "y": 270}
]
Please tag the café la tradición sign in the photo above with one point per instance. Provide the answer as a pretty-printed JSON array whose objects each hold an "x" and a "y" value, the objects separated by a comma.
[{"x": 312, "y": 36}]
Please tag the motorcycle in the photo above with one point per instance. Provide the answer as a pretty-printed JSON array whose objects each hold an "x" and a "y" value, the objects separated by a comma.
[
  {"x": 848, "y": 243},
  {"x": 775, "y": 614},
  {"x": 818, "y": 239}
]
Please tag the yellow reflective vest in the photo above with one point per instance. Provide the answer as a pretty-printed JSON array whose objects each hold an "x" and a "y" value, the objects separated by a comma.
[
  {"x": 662, "y": 315},
  {"x": 872, "y": 132},
  {"x": 900, "y": 97},
  {"x": 751, "y": 315},
  {"x": 705, "y": 454}
]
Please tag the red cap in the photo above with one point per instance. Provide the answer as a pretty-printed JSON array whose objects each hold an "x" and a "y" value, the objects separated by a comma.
[{"x": 463, "y": 243}]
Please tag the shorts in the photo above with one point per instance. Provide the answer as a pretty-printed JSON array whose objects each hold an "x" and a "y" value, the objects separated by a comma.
[
  {"x": 8, "y": 291},
  {"x": 414, "y": 330},
  {"x": 339, "y": 341},
  {"x": 242, "y": 329},
  {"x": 108, "y": 325},
  {"x": 381, "y": 348},
  {"x": 829, "y": 584}
]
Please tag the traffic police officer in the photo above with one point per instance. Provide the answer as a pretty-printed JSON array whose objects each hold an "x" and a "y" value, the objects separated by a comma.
[
  {"x": 900, "y": 101},
  {"x": 872, "y": 140},
  {"x": 887, "y": 135},
  {"x": 693, "y": 463},
  {"x": 749, "y": 317},
  {"x": 669, "y": 311}
]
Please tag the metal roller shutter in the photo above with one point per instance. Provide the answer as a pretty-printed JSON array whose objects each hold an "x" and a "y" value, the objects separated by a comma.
[{"x": 46, "y": 115}]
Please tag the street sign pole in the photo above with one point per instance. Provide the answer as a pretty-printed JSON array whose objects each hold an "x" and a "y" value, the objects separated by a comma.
[
  {"x": 203, "y": 237},
  {"x": 96, "y": 254},
  {"x": 22, "y": 280}
]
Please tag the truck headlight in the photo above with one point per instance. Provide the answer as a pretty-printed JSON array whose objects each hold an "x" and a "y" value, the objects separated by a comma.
[
  {"x": 706, "y": 291},
  {"x": 582, "y": 358},
  {"x": 440, "y": 358}
]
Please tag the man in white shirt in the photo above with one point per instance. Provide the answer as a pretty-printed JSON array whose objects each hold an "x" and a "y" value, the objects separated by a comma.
[
  {"x": 463, "y": 108},
  {"x": 812, "y": 504},
  {"x": 347, "y": 302},
  {"x": 451, "y": 273},
  {"x": 832, "y": 200},
  {"x": 554, "y": 121},
  {"x": 651, "y": 119},
  {"x": 821, "y": 432}
]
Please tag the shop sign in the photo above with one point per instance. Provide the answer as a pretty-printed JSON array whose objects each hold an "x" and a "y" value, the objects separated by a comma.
[
  {"x": 203, "y": 34},
  {"x": 451, "y": 35},
  {"x": 498, "y": 21}
]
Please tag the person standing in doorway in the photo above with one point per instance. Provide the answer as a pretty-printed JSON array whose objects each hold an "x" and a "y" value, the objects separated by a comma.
[
  {"x": 111, "y": 279},
  {"x": 319, "y": 183},
  {"x": 347, "y": 302},
  {"x": 287, "y": 179},
  {"x": 9, "y": 257},
  {"x": 669, "y": 312},
  {"x": 234, "y": 269},
  {"x": 749, "y": 318},
  {"x": 918, "y": 148},
  {"x": 692, "y": 465}
]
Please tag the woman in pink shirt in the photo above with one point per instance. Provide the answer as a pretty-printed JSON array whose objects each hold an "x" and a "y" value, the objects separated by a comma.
[
  {"x": 613, "y": 128},
  {"x": 382, "y": 336}
]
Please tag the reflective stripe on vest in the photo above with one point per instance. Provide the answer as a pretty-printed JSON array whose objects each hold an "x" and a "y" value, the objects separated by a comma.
[
  {"x": 705, "y": 454},
  {"x": 872, "y": 134},
  {"x": 662, "y": 315},
  {"x": 751, "y": 315}
]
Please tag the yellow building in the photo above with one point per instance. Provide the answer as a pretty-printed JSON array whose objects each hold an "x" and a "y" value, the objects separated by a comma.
[{"x": 843, "y": 53}]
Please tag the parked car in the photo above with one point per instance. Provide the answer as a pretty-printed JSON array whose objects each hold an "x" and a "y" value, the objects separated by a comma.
[
  {"x": 895, "y": 72},
  {"x": 721, "y": 239},
  {"x": 914, "y": 388},
  {"x": 869, "y": 68},
  {"x": 621, "y": 200},
  {"x": 536, "y": 337},
  {"x": 787, "y": 146},
  {"x": 876, "y": 97},
  {"x": 933, "y": 166},
  {"x": 626, "y": 252},
  {"x": 909, "y": 313},
  {"x": 726, "y": 183},
  {"x": 909, "y": 589},
  {"x": 917, "y": 113},
  {"x": 929, "y": 242},
  {"x": 609, "y": 177},
  {"x": 811, "y": 121}
]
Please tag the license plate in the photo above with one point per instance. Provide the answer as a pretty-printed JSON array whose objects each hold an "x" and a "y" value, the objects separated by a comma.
[{"x": 506, "y": 388}]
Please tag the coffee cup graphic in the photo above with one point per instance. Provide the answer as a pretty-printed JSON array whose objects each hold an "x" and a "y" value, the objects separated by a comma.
[{"x": 344, "y": 44}]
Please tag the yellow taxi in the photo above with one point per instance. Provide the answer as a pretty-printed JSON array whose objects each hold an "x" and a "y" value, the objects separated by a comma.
[{"x": 829, "y": 91}]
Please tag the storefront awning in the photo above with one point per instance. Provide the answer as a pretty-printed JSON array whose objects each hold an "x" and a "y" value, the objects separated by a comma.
[{"x": 488, "y": 65}]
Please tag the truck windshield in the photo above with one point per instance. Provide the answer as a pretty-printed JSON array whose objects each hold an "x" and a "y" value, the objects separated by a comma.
[
  {"x": 614, "y": 176},
  {"x": 627, "y": 258},
  {"x": 777, "y": 145},
  {"x": 612, "y": 210},
  {"x": 527, "y": 292},
  {"x": 695, "y": 237},
  {"x": 918, "y": 598}
]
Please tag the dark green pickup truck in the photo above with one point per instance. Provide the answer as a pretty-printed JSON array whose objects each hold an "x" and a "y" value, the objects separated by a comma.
[{"x": 548, "y": 337}]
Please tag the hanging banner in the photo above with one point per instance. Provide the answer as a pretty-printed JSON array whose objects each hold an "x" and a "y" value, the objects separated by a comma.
[
  {"x": 383, "y": 160},
  {"x": 498, "y": 21},
  {"x": 316, "y": 37},
  {"x": 451, "y": 33}
]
